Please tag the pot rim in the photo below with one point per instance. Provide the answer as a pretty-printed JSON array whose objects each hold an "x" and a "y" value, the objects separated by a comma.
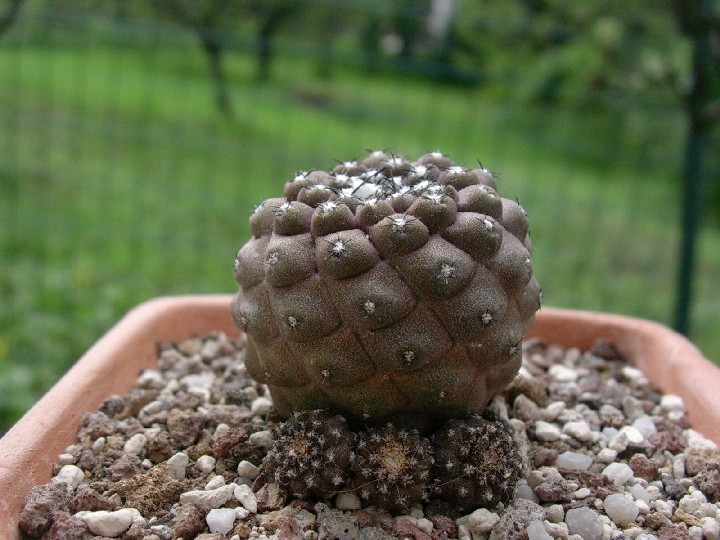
[{"x": 30, "y": 448}]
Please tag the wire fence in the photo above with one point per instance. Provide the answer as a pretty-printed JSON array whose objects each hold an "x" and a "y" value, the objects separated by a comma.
[{"x": 131, "y": 156}]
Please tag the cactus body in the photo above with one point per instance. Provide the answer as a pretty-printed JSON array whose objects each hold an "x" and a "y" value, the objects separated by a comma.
[{"x": 387, "y": 290}]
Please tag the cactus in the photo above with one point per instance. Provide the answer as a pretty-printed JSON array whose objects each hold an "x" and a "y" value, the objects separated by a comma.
[
  {"x": 386, "y": 290},
  {"x": 391, "y": 469},
  {"x": 477, "y": 463},
  {"x": 311, "y": 454}
]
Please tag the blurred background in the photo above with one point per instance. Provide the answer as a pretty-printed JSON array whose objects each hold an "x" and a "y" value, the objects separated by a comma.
[{"x": 137, "y": 136}]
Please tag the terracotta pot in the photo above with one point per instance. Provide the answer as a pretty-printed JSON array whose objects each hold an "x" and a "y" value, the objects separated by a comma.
[{"x": 111, "y": 366}]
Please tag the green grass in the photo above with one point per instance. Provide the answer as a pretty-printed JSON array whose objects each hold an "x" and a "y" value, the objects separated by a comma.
[{"x": 119, "y": 181}]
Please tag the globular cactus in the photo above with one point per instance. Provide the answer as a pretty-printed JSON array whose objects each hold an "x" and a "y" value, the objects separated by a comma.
[
  {"x": 391, "y": 468},
  {"x": 477, "y": 463},
  {"x": 387, "y": 290},
  {"x": 311, "y": 455}
]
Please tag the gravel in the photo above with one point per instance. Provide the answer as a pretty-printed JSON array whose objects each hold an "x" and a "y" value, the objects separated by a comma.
[{"x": 607, "y": 457}]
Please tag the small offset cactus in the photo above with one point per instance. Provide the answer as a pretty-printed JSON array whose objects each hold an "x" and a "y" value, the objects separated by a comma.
[
  {"x": 311, "y": 454},
  {"x": 387, "y": 290},
  {"x": 477, "y": 463},
  {"x": 391, "y": 468}
]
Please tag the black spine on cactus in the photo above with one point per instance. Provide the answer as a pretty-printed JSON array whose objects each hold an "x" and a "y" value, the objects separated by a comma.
[
  {"x": 391, "y": 469},
  {"x": 477, "y": 463},
  {"x": 311, "y": 454}
]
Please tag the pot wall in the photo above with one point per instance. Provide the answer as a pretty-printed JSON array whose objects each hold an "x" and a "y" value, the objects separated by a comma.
[{"x": 111, "y": 366}]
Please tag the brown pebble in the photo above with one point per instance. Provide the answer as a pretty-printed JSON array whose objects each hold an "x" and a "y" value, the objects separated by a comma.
[
  {"x": 667, "y": 440},
  {"x": 443, "y": 528},
  {"x": 126, "y": 466},
  {"x": 67, "y": 527},
  {"x": 86, "y": 498},
  {"x": 270, "y": 497},
  {"x": 607, "y": 350},
  {"x": 406, "y": 529},
  {"x": 543, "y": 456},
  {"x": 189, "y": 521},
  {"x": 185, "y": 427},
  {"x": 553, "y": 491},
  {"x": 701, "y": 459},
  {"x": 672, "y": 533},
  {"x": 644, "y": 467},
  {"x": 161, "y": 447},
  {"x": 41, "y": 504},
  {"x": 223, "y": 442},
  {"x": 95, "y": 425},
  {"x": 708, "y": 481},
  {"x": 656, "y": 520}
]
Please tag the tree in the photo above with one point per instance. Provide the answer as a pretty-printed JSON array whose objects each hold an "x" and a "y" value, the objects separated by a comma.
[
  {"x": 211, "y": 21},
  {"x": 10, "y": 15}
]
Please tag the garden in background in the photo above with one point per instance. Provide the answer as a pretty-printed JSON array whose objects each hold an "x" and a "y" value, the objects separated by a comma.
[{"x": 136, "y": 139}]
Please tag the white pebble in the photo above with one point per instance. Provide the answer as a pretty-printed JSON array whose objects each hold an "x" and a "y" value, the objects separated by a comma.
[
  {"x": 620, "y": 509},
  {"x": 247, "y": 498},
  {"x": 177, "y": 465},
  {"x": 698, "y": 440},
  {"x": 482, "y": 521},
  {"x": 645, "y": 425},
  {"x": 556, "y": 530},
  {"x": 242, "y": 512},
  {"x": 581, "y": 493},
  {"x": 581, "y": 431},
  {"x": 646, "y": 536},
  {"x": 664, "y": 507},
  {"x": 544, "y": 431},
  {"x": 348, "y": 500},
  {"x": 221, "y": 520},
  {"x": 574, "y": 460},
  {"x": 146, "y": 464},
  {"x": 710, "y": 527},
  {"x": 584, "y": 522},
  {"x": 150, "y": 378},
  {"x": 99, "y": 445},
  {"x": 215, "y": 482},
  {"x": 640, "y": 493},
  {"x": 536, "y": 531},
  {"x": 562, "y": 374},
  {"x": 221, "y": 429},
  {"x": 153, "y": 407},
  {"x": 553, "y": 410},
  {"x": 261, "y": 438},
  {"x": 642, "y": 506},
  {"x": 606, "y": 455},
  {"x": 672, "y": 403},
  {"x": 109, "y": 524},
  {"x": 248, "y": 470},
  {"x": 678, "y": 467},
  {"x": 71, "y": 475},
  {"x": 199, "y": 381},
  {"x": 135, "y": 444},
  {"x": 695, "y": 533},
  {"x": 633, "y": 374},
  {"x": 543, "y": 474},
  {"x": 66, "y": 459},
  {"x": 618, "y": 442},
  {"x": 261, "y": 406},
  {"x": 524, "y": 491},
  {"x": 425, "y": 525},
  {"x": 633, "y": 435},
  {"x": 206, "y": 464},
  {"x": 208, "y": 499},
  {"x": 618, "y": 473},
  {"x": 555, "y": 513}
]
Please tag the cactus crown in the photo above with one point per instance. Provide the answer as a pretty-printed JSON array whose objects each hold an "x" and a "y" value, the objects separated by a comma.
[{"x": 386, "y": 290}]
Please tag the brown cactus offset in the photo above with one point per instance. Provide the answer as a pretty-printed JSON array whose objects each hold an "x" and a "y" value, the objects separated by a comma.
[{"x": 387, "y": 290}]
